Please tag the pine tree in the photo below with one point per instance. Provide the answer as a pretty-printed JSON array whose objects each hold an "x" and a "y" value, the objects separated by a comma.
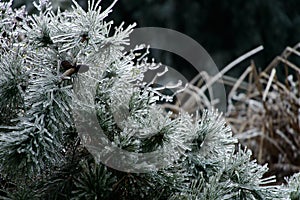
[{"x": 45, "y": 60}]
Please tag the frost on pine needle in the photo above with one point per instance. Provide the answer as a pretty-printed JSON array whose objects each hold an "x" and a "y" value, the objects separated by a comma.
[
  {"x": 211, "y": 129},
  {"x": 128, "y": 113},
  {"x": 236, "y": 177},
  {"x": 294, "y": 185},
  {"x": 58, "y": 68},
  {"x": 32, "y": 75},
  {"x": 14, "y": 78},
  {"x": 10, "y": 21},
  {"x": 36, "y": 141}
]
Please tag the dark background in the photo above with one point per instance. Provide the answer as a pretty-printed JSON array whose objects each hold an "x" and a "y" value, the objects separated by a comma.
[{"x": 226, "y": 29}]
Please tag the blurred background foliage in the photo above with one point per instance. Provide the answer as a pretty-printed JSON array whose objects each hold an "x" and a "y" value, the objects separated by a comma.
[{"x": 226, "y": 29}]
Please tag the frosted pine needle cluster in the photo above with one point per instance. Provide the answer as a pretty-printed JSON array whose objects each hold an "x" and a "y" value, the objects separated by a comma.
[{"x": 42, "y": 156}]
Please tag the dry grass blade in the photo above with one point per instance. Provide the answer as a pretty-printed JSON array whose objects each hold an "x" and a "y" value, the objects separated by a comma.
[{"x": 266, "y": 116}]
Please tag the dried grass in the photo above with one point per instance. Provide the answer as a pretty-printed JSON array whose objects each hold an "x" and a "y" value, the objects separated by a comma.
[
  {"x": 263, "y": 110},
  {"x": 266, "y": 116}
]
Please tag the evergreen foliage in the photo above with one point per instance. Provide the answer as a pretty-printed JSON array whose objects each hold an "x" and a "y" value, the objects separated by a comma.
[
  {"x": 294, "y": 183},
  {"x": 42, "y": 156}
]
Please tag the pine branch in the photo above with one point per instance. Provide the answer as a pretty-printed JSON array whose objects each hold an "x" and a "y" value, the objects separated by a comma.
[
  {"x": 37, "y": 139},
  {"x": 13, "y": 81},
  {"x": 294, "y": 185},
  {"x": 41, "y": 64}
]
